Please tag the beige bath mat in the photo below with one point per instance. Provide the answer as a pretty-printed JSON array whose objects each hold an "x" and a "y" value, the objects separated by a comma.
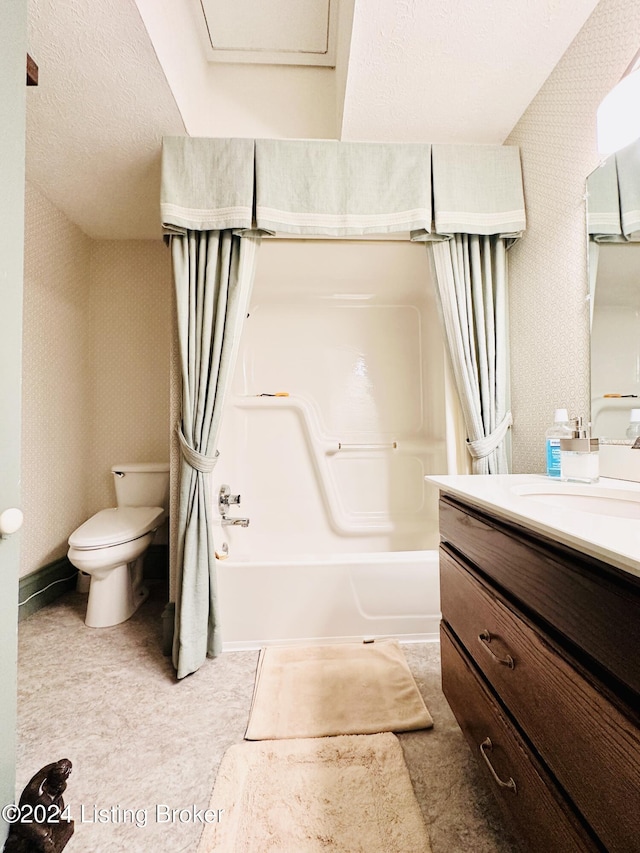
[
  {"x": 348, "y": 794},
  {"x": 320, "y": 691}
]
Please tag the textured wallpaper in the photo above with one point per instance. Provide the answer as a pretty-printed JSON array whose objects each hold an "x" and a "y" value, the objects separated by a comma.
[
  {"x": 96, "y": 343},
  {"x": 130, "y": 343},
  {"x": 55, "y": 382},
  {"x": 548, "y": 267}
]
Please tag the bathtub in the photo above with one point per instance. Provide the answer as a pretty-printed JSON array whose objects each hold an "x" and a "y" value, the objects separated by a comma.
[{"x": 337, "y": 598}]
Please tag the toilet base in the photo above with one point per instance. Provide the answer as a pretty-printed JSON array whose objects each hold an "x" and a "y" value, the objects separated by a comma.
[{"x": 115, "y": 597}]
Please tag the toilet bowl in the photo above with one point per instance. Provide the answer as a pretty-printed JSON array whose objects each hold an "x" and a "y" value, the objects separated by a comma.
[{"x": 111, "y": 545}]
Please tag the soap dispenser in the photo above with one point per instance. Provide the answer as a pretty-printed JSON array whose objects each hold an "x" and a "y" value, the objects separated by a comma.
[{"x": 579, "y": 460}]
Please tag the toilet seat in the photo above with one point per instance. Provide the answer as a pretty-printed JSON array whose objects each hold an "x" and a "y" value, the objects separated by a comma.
[{"x": 116, "y": 526}]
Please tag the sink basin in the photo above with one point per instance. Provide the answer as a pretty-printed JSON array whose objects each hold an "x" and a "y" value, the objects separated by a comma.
[{"x": 621, "y": 503}]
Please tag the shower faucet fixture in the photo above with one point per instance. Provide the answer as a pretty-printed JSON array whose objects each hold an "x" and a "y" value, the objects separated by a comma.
[
  {"x": 225, "y": 500},
  {"x": 234, "y": 522}
]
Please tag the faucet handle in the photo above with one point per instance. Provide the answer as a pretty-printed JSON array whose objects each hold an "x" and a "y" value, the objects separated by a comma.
[{"x": 226, "y": 499}]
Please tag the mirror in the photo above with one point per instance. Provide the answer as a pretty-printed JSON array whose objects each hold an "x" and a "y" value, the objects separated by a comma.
[
  {"x": 613, "y": 215},
  {"x": 615, "y": 339}
]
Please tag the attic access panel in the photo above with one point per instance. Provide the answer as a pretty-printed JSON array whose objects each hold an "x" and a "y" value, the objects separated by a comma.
[{"x": 274, "y": 32}]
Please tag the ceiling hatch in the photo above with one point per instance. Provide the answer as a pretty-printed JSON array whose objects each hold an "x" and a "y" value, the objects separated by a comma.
[{"x": 276, "y": 32}]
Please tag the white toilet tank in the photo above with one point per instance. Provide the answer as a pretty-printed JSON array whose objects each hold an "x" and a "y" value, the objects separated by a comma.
[{"x": 142, "y": 484}]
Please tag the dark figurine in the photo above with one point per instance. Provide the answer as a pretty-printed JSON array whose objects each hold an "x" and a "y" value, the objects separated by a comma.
[{"x": 41, "y": 826}]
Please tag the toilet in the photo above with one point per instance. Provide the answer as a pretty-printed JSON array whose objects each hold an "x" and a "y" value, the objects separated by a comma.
[{"x": 111, "y": 545}]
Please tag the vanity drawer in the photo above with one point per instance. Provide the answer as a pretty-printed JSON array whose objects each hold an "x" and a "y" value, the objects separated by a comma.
[
  {"x": 521, "y": 785},
  {"x": 592, "y": 605},
  {"x": 591, "y": 748}
]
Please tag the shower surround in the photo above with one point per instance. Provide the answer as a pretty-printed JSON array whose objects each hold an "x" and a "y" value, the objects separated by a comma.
[{"x": 342, "y": 538}]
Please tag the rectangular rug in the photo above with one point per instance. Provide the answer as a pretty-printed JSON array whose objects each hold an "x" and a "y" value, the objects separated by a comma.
[
  {"x": 349, "y": 794},
  {"x": 346, "y": 688}
]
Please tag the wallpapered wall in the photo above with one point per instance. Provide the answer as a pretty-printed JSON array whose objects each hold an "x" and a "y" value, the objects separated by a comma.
[
  {"x": 95, "y": 371},
  {"x": 55, "y": 383},
  {"x": 548, "y": 268},
  {"x": 130, "y": 322}
]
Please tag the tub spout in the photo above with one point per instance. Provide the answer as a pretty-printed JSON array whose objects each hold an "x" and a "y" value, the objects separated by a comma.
[{"x": 234, "y": 522}]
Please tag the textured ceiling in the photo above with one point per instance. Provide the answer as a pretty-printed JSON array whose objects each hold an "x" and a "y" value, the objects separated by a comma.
[
  {"x": 111, "y": 86},
  {"x": 452, "y": 70}
]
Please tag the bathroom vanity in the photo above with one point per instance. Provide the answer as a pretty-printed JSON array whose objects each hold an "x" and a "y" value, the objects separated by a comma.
[{"x": 540, "y": 639}]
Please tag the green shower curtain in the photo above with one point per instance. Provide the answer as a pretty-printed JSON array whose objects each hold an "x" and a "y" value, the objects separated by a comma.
[
  {"x": 213, "y": 275},
  {"x": 471, "y": 276},
  {"x": 478, "y": 203}
]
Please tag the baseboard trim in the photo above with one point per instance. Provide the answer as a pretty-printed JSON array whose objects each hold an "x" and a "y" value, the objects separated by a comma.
[
  {"x": 168, "y": 619},
  {"x": 43, "y": 586}
]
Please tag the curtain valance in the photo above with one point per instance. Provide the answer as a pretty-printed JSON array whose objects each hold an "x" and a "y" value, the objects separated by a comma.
[
  {"x": 477, "y": 189},
  {"x": 330, "y": 188},
  {"x": 613, "y": 198},
  {"x": 342, "y": 188},
  {"x": 207, "y": 184}
]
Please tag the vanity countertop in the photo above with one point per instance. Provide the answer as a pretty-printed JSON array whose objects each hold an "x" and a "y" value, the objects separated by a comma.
[{"x": 612, "y": 539}]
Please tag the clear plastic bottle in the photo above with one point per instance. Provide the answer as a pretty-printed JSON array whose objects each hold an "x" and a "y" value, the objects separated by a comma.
[
  {"x": 561, "y": 428},
  {"x": 633, "y": 430}
]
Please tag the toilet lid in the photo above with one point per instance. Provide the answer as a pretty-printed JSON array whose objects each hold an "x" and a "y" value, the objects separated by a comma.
[{"x": 115, "y": 526}]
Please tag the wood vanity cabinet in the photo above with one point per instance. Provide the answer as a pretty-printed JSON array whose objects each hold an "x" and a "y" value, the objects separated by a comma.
[{"x": 541, "y": 667}]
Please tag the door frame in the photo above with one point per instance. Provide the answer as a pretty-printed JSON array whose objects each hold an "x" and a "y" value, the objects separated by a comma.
[{"x": 13, "y": 51}]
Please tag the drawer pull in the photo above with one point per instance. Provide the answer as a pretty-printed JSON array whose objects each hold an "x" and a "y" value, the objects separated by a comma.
[
  {"x": 485, "y": 747},
  {"x": 485, "y": 639}
]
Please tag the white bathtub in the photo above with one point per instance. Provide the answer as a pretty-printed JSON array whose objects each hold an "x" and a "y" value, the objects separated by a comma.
[{"x": 341, "y": 598}]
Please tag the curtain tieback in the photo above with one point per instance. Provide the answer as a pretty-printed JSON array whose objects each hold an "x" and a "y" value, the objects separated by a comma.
[
  {"x": 482, "y": 447},
  {"x": 198, "y": 461}
]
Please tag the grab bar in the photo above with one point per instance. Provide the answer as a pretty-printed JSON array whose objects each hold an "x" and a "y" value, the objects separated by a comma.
[
  {"x": 343, "y": 446},
  {"x": 402, "y": 446}
]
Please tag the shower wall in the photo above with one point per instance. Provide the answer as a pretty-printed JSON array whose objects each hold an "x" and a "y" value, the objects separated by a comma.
[{"x": 350, "y": 332}]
